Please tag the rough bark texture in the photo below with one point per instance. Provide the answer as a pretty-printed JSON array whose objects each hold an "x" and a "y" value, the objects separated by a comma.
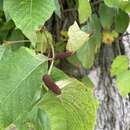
[{"x": 114, "y": 110}]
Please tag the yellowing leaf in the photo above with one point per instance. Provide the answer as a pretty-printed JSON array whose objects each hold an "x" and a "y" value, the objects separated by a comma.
[{"x": 76, "y": 38}]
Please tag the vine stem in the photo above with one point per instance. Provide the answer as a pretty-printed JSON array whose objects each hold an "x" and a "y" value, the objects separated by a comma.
[
  {"x": 13, "y": 42},
  {"x": 53, "y": 57}
]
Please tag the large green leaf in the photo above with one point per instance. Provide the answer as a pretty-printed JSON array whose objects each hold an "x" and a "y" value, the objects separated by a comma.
[
  {"x": 84, "y": 10},
  {"x": 20, "y": 78},
  {"x": 76, "y": 97},
  {"x": 72, "y": 110},
  {"x": 29, "y": 15}
]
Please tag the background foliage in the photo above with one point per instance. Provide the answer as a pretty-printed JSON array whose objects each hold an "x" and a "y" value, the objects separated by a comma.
[{"x": 32, "y": 34}]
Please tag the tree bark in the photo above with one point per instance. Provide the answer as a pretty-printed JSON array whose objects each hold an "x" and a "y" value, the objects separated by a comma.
[{"x": 114, "y": 111}]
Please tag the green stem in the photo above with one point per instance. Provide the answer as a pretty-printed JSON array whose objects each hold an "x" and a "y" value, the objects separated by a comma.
[
  {"x": 13, "y": 42},
  {"x": 52, "y": 62}
]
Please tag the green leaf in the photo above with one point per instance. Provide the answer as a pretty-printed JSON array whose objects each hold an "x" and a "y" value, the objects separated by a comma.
[
  {"x": 20, "y": 78},
  {"x": 122, "y": 4},
  {"x": 84, "y": 10},
  {"x": 119, "y": 65},
  {"x": 125, "y": 6},
  {"x": 113, "y": 3},
  {"x": 86, "y": 54},
  {"x": 87, "y": 82},
  {"x": 55, "y": 112},
  {"x": 29, "y": 15},
  {"x": 120, "y": 70},
  {"x": 1, "y": 4},
  {"x": 106, "y": 16},
  {"x": 123, "y": 82},
  {"x": 39, "y": 117},
  {"x": 121, "y": 21},
  {"x": 74, "y": 60},
  {"x": 73, "y": 110},
  {"x": 57, "y": 74},
  {"x": 76, "y": 38},
  {"x": 75, "y": 97}
]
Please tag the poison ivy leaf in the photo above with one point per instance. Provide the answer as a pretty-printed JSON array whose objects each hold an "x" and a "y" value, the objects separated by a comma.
[
  {"x": 29, "y": 15},
  {"x": 84, "y": 10},
  {"x": 86, "y": 54},
  {"x": 75, "y": 98},
  {"x": 123, "y": 82},
  {"x": 121, "y": 21},
  {"x": 76, "y": 38},
  {"x": 119, "y": 65},
  {"x": 20, "y": 78},
  {"x": 106, "y": 16}
]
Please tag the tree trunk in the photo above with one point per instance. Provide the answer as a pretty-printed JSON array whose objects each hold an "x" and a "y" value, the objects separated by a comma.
[{"x": 114, "y": 110}]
